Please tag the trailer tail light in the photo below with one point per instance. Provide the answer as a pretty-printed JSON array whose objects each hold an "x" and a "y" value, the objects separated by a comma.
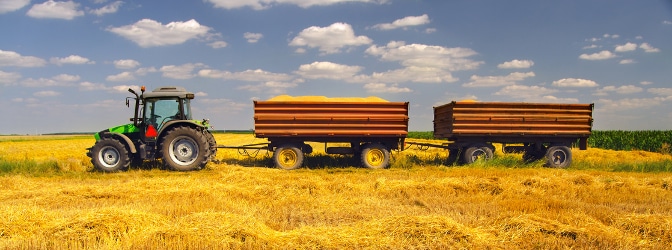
[{"x": 151, "y": 131}]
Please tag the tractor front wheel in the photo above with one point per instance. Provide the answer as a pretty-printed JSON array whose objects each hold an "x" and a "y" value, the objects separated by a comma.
[
  {"x": 185, "y": 149},
  {"x": 109, "y": 155}
]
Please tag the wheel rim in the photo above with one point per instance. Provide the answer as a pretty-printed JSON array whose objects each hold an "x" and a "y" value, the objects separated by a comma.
[
  {"x": 287, "y": 158},
  {"x": 183, "y": 150},
  {"x": 478, "y": 154},
  {"x": 375, "y": 157},
  {"x": 559, "y": 157},
  {"x": 109, "y": 157}
]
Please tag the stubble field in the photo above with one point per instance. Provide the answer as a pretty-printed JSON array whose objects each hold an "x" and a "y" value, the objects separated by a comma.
[{"x": 51, "y": 198}]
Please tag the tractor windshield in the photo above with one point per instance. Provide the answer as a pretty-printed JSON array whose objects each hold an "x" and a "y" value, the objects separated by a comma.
[{"x": 159, "y": 111}]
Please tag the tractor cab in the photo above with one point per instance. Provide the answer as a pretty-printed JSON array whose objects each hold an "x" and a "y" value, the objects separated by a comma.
[{"x": 156, "y": 109}]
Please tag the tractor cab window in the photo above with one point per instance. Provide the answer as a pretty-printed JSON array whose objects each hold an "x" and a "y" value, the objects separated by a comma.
[
  {"x": 186, "y": 107},
  {"x": 159, "y": 111}
]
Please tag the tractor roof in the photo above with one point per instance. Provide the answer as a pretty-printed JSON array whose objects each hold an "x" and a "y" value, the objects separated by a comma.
[{"x": 169, "y": 91}]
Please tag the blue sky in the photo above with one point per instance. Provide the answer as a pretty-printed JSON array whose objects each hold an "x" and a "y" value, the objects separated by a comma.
[{"x": 65, "y": 66}]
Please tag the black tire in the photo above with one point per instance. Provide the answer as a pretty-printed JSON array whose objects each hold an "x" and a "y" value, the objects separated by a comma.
[
  {"x": 375, "y": 156},
  {"x": 185, "y": 149},
  {"x": 558, "y": 157},
  {"x": 474, "y": 153},
  {"x": 109, "y": 155},
  {"x": 288, "y": 157},
  {"x": 453, "y": 157},
  {"x": 213, "y": 145}
]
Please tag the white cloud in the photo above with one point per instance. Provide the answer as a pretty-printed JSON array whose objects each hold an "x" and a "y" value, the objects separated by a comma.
[
  {"x": 626, "y": 89},
  {"x": 271, "y": 87},
  {"x": 612, "y": 36},
  {"x": 327, "y": 70},
  {"x": 645, "y": 83},
  {"x": 516, "y": 64},
  {"x": 574, "y": 82},
  {"x": 9, "y": 77},
  {"x": 384, "y": 88},
  {"x": 218, "y": 44},
  {"x": 648, "y": 48},
  {"x": 12, "y": 5},
  {"x": 107, "y": 9},
  {"x": 602, "y": 55},
  {"x": 667, "y": 92},
  {"x": 252, "y": 37},
  {"x": 592, "y": 46},
  {"x": 627, "y": 61},
  {"x": 183, "y": 71},
  {"x": 626, "y": 47},
  {"x": 533, "y": 94},
  {"x": 494, "y": 81},
  {"x": 57, "y": 10},
  {"x": 264, "y": 4},
  {"x": 11, "y": 58},
  {"x": 72, "y": 59},
  {"x": 145, "y": 71},
  {"x": 150, "y": 33},
  {"x": 329, "y": 40},
  {"x": 90, "y": 86},
  {"x": 608, "y": 105},
  {"x": 126, "y": 64},
  {"x": 410, "y": 74},
  {"x": 66, "y": 78},
  {"x": 667, "y": 22},
  {"x": 62, "y": 80},
  {"x": 46, "y": 93},
  {"x": 256, "y": 75},
  {"x": 404, "y": 22},
  {"x": 123, "y": 89},
  {"x": 121, "y": 77},
  {"x": 524, "y": 92},
  {"x": 420, "y": 55}
]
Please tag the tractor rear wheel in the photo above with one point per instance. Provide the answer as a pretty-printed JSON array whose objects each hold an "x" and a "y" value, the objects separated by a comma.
[
  {"x": 185, "y": 149},
  {"x": 109, "y": 155}
]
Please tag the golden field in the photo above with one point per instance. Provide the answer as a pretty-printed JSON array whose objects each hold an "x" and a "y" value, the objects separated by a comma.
[{"x": 418, "y": 203}]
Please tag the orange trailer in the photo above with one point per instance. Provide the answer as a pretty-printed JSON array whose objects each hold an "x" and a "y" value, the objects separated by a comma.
[
  {"x": 541, "y": 130},
  {"x": 371, "y": 128}
]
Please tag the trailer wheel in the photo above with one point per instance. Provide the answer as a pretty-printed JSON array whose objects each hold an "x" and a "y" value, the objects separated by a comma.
[
  {"x": 532, "y": 156},
  {"x": 375, "y": 156},
  {"x": 288, "y": 157},
  {"x": 474, "y": 153},
  {"x": 185, "y": 149},
  {"x": 558, "y": 157},
  {"x": 453, "y": 156},
  {"x": 109, "y": 155}
]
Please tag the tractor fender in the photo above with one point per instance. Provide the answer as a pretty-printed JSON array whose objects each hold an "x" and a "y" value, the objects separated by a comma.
[
  {"x": 128, "y": 141},
  {"x": 191, "y": 123}
]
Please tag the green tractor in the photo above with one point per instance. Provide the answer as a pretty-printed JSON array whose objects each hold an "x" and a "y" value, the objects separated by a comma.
[{"x": 162, "y": 129}]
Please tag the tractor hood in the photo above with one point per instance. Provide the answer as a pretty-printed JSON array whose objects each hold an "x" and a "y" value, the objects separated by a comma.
[{"x": 122, "y": 129}]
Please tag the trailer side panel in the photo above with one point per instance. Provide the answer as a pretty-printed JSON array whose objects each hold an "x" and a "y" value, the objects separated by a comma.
[
  {"x": 458, "y": 120},
  {"x": 302, "y": 119}
]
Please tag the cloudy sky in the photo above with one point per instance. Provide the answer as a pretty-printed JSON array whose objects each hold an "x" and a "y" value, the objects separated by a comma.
[{"x": 65, "y": 66}]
